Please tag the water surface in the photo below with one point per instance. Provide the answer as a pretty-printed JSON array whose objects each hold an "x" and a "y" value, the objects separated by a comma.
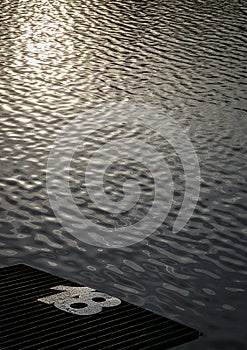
[{"x": 188, "y": 58}]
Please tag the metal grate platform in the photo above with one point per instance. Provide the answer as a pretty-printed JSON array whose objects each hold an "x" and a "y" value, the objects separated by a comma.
[{"x": 34, "y": 316}]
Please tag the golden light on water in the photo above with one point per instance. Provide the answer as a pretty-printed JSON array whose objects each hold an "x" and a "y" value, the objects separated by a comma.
[
  {"x": 59, "y": 49},
  {"x": 44, "y": 41}
]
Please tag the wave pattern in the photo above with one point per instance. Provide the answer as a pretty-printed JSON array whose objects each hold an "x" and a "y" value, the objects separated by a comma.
[{"x": 59, "y": 58}]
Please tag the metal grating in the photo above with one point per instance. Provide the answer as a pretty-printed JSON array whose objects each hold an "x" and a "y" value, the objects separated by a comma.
[{"x": 28, "y": 323}]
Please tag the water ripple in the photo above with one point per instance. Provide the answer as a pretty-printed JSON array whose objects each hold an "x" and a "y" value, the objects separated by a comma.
[{"x": 60, "y": 58}]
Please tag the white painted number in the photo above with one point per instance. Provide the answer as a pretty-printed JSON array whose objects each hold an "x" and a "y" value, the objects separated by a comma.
[{"x": 80, "y": 300}]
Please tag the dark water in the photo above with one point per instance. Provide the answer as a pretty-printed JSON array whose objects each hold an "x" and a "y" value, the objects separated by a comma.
[{"x": 188, "y": 58}]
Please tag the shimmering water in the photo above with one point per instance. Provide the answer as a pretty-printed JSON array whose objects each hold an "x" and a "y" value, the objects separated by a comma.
[{"x": 188, "y": 58}]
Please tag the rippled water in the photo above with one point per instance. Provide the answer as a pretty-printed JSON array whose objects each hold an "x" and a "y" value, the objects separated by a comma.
[{"x": 187, "y": 58}]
